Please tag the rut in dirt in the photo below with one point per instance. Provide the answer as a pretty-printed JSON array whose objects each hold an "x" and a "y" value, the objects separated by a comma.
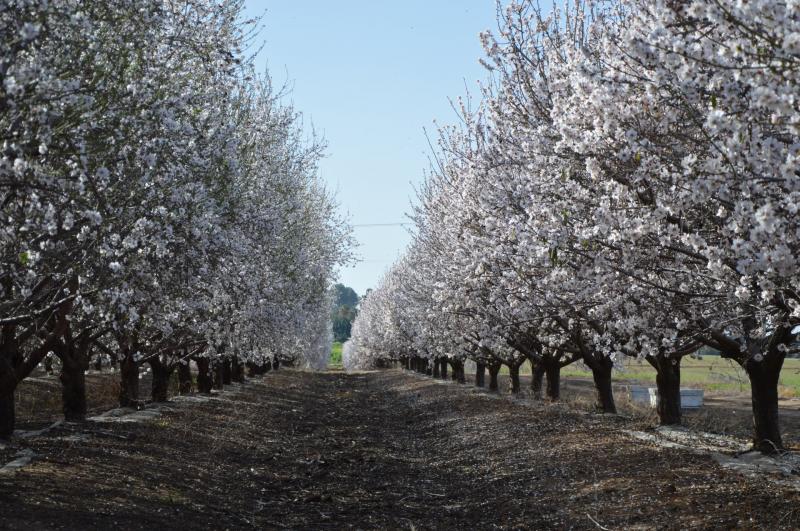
[{"x": 368, "y": 451}]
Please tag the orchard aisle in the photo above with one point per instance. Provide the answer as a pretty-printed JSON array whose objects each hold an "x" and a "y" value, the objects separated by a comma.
[{"x": 382, "y": 449}]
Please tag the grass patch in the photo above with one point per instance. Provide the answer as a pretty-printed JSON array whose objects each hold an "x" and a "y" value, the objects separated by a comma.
[
  {"x": 711, "y": 373},
  {"x": 336, "y": 355}
]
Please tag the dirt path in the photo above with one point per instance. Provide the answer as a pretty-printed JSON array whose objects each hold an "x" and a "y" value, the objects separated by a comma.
[{"x": 376, "y": 450}]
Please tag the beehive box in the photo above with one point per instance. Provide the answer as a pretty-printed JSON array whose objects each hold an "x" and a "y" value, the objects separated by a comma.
[{"x": 690, "y": 398}]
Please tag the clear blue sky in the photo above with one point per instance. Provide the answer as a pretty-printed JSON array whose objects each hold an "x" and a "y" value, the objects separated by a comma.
[{"x": 371, "y": 76}]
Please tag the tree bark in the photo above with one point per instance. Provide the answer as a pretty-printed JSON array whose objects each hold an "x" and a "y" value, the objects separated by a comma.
[
  {"x": 764, "y": 393},
  {"x": 458, "y": 370},
  {"x": 227, "y": 371},
  {"x": 8, "y": 384},
  {"x": 276, "y": 364},
  {"x": 184, "y": 378},
  {"x": 668, "y": 382},
  {"x": 436, "y": 366},
  {"x": 217, "y": 371},
  {"x": 601, "y": 373},
  {"x": 161, "y": 374},
  {"x": 74, "y": 356},
  {"x": 204, "y": 379},
  {"x": 553, "y": 373},
  {"x": 480, "y": 374},
  {"x": 537, "y": 378},
  {"x": 237, "y": 370},
  {"x": 513, "y": 371},
  {"x": 73, "y": 388},
  {"x": 494, "y": 370},
  {"x": 14, "y": 368},
  {"x": 443, "y": 369},
  {"x": 7, "y": 415},
  {"x": 129, "y": 382}
]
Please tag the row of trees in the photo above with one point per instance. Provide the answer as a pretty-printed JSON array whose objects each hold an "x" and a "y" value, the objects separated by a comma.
[
  {"x": 158, "y": 203},
  {"x": 627, "y": 187}
]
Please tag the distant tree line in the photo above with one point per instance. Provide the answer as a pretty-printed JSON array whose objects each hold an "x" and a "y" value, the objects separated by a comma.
[{"x": 343, "y": 313}]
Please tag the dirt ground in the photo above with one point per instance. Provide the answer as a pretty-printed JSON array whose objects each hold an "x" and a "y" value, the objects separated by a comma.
[
  {"x": 385, "y": 449},
  {"x": 723, "y": 413}
]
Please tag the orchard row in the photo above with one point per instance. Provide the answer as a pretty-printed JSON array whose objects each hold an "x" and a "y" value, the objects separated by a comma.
[
  {"x": 626, "y": 186},
  {"x": 159, "y": 203}
]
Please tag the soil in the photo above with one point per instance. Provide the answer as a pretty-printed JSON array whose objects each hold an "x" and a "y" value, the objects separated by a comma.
[
  {"x": 386, "y": 449},
  {"x": 724, "y": 413}
]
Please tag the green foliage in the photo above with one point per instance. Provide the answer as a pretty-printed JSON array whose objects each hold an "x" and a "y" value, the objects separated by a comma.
[
  {"x": 344, "y": 296},
  {"x": 345, "y": 302},
  {"x": 336, "y": 354}
]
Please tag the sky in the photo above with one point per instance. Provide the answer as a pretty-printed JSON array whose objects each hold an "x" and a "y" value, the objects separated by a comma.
[{"x": 371, "y": 77}]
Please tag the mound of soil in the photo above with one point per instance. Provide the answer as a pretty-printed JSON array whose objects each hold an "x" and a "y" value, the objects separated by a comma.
[{"x": 373, "y": 450}]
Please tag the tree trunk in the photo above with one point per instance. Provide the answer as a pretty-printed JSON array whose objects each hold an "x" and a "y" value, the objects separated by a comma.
[
  {"x": 217, "y": 371},
  {"x": 436, "y": 366},
  {"x": 48, "y": 364},
  {"x": 537, "y": 377},
  {"x": 7, "y": 415},
  {"x": 513, "y": 371},
  {"x": 443, "y": 369},
  {"x": 73, "y": 389},
  {"x": 237, "y": 370},
  {"x": 458, "y": 370},
  {"x": 129, "y": 382},
  {"x": 204, "y": 380},
  {"x": 276, "y": 364},
  {"x": 267, "y": 366},
  {"x": 480, "y": 374},
  {"x": 161, "y": 374},
  {"x": 494, "y": 370},
  {"x": 8, "y": 384},
  {"x": 601, "y": 373},
  {"x": 74, "y": 356},
  {"x": 429, "y": 368},
  {"x": 462, "y": 377},
  {"x": 98, "y": 363},
  {"x": 227, "y": 371},
  {"x": 184, "y": 378},
  {"x": 764, "y": 393},
  {"x": 553, "y": 372},
  {"x": 668, "y": 382}
]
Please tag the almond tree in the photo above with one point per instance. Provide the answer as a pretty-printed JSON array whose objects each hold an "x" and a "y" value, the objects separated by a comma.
[{"x": 688, "y": 112}]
